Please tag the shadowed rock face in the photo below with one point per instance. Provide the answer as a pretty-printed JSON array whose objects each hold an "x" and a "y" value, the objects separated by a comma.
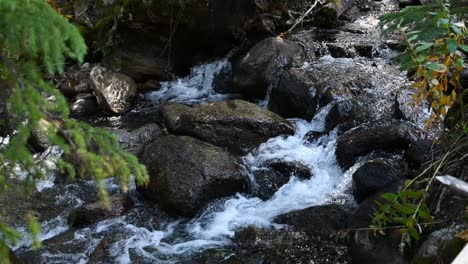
[
  {"x": 115, "y": 92},
  {"x": 186, "y": 174},
  {"x": 259, "y": 68},
  {"x": 362, "y": 140},
  {"x": 235, "y": 125}
]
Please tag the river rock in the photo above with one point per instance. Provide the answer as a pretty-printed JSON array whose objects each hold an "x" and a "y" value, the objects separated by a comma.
[
  {"x": 441, "y": 246},
  {"x": 257, "y": 70},
  {"x": 264, "y": 245},
  {"x": 84, "y": 105},
  {"x": 135, "y": 140},
  {"x": 186, "y": 174},
  {"x": 115, "y": 92},
  {"x": 375, "y": 175},
  {"x": 235, "y": 125},
  {"x": 92, "y": 213},
  {"x": 294, "y": 96},
  {"x": 365, "y": 246},
  {"x": 324, "y": 220},
  {"x": 270, "y": 179},
  {"x": 420, "y": 152},
  {"x": 347, "y": 114},
  {"x": 387, "y": 136}
]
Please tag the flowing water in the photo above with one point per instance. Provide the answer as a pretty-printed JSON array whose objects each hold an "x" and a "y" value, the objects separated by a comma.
[{"x": 148, "y": 235}]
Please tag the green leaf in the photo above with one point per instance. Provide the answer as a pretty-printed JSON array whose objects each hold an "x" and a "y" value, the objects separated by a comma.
[
  {"x": 464, "y": 48},
  {"x": 452, "y": 45},
  {"x": 389, "y": 196},
  {"x": 438, "y": 67},
  {"x": 422, "y": 46}
]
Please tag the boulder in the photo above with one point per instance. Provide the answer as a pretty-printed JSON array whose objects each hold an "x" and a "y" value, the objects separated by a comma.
[
  {"x": 375, "y": 175},
  {"x": 441, "y": 246},
  {"x": 265, "y": 245},
  {"x": 365, "y": 246},
  {"x": 312, "y": 136},
  {"x": 115, "y": 92},
  {"x": 420, "y": 152},
  {"x": 235, "y": 125},
  {"x": 387, "y": 136},
  {"x": 92, "y": 213},
  {"x": 186, "y": 174},
  {"x": 347, "y": 114},
  {"x": 323, "y": 220},
  {"x": 257, "y": 70},
  {"x": 135, "y": 140},
  {"x": 294, "y": 96},
  {"x": 270, "y": 179},
  {"x": 84, "y": 105}
]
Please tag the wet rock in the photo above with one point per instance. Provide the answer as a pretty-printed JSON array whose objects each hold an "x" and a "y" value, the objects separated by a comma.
[
  {"x": 135, "y": 140},
  {"x": 312, "y": 136},
  {"x": 263, "y": 245},
  {"x": 276, "y": 174},
  {"x": 39, "y": 139},
  {"x": 294, "y": 96},
  {"x": 365, "y": 246},
  {"x": 442, "y": 246},
  {"x": 75, "y": 80},
  {"x": 258, "y": 69},
  {"x": 324, "y": 220},
  {"x": 92, "y": 213},
  {"x": 364, "y": 139},
  {"x": 375, "y": 175},
  {"x": 419, "y": 152},
  {"x": 103, "y": 251},
  {"x": 338, "y": 51},
  {"x": 13, "y": 258},
  {"x": 291, "y": 168},
  {"x": 115, "y": 92},
  {"x": 235, "y": 125},
  {"x": 347, "y": 114},
  {"x": 186, "y": 174},
  {"x": 84, "y": 105},
  {"x": 327, "y": 15}
]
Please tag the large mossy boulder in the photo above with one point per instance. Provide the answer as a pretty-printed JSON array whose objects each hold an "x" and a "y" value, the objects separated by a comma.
[
  {"x": 235, "y": 125},
  {"x": 186, "y": 174}
]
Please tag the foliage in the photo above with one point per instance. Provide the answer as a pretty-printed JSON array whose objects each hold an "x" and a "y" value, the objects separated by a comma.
[
  {"x": 435, "y": 36},
  {"x": 34, "y": 41}
]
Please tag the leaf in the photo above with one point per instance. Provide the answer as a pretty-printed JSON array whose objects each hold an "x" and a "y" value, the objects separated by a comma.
[
  {"x": 442, "y": 22},
  {"x": 422, "y": 47},
  {"x": 464, "y": 47},
  {"x": 452, "y": 45},
  {"x": 389, "y": 196},
  {"x": 463, "y": 235},
  {"x": 437, "y": 67}
]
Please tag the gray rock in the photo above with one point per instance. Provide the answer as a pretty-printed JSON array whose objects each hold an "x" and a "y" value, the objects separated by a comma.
[
  {"x": 186, "y": 174},
  {"x": 375, "y": 175},
  {"x": 135, "y": 140},
  {"x": 84, "y": 105},
  {"x": 294, "y": 96},
  {"x": 324, "y": 220},
  {"x": 235, "y": 125},
  {"x": 115, "y": 92},
  {"x": 256, "y": 70},
  {"x": 366, "y": 138}
]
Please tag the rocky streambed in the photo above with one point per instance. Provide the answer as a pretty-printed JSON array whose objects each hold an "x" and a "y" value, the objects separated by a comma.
[{"x": 273, "y": 154}]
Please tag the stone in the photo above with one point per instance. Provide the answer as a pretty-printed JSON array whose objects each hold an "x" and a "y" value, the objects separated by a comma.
[
  {"x": 386, "y": 136},
  {"x": 235, "y": 125},
  {"x": 84, "y": 105},
  {"x": 323, "y": 220},
  {"x": 135, "y": 140},
  {"x": 186, "y": 174},
  {"x": 294, "y": 96},
  {"x": 114, "y": 91},
  {"x": 263, "y": 63},
  {"x": 375, "y": 175}
]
